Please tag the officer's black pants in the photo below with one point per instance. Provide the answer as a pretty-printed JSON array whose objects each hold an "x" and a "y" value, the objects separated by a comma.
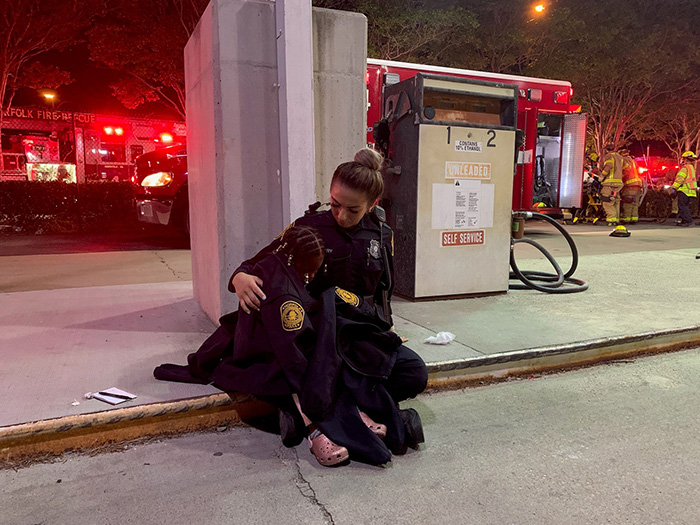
[
  {"x": 684, "y": 208},
  {"x": 409, "y": 377}
]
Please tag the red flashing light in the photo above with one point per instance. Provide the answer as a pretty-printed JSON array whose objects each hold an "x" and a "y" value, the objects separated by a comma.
[
  {"x": 166, "y": 138},
  {"x": 561, "y": 97},
  {"x": 109, "y": 130},
  {"x": 366, "y": 77},
  {"x": 571, "y": 92},
  {"x": 118, "y": 131},
  {"x": 535, "y": 95}
]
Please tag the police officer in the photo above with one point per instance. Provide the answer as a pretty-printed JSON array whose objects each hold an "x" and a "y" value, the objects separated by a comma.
[
  {"x": 685, "y": 187},
  {"x": 359, "y": 251}
]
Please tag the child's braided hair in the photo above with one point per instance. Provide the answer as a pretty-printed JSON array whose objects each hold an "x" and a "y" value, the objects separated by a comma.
[{"x": 302, "y": 244}]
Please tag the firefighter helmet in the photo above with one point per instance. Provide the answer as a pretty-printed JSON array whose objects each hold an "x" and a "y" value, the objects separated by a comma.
[
  {"x": 620, "y": 231},
  {"x": 689, "y": 155},
  {"x": 623, "y": 151},
  {"x": 593, "y": 156}
]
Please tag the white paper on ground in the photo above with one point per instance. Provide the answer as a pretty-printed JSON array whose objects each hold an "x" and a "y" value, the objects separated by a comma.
[
  {"x": 113, "y": 400},
  {"x": 441, "y": 338}
]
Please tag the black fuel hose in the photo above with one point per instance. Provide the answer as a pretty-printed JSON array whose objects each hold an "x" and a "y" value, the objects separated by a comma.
[{"x": 546, "y": 282}]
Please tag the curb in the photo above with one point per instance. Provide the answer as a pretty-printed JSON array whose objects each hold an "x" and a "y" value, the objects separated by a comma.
[
  {"x": 467, "y": 372},
  {"x": 40, "y": 440}
]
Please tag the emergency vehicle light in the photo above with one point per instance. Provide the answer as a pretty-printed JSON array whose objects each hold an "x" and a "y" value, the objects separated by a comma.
[
  {"x": 165, "y": 138},
  {"x": 534, "y": 94},
  {"x": 391, "y": 79},
  {"x": 113, "y": 130},
  {"x": 560, "y": 97},
  {"x": 161, "y": 178}
]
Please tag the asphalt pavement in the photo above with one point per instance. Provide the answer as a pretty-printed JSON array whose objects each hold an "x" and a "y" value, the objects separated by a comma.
[
  {"x": 610, "y": 444},
  {"x": 78, "y": 320}
]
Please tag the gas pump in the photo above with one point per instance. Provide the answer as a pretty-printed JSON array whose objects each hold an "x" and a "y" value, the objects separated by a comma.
[{"x": 448, "y": 193}]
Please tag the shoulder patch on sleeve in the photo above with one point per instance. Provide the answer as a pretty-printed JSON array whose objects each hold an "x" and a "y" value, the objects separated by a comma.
[
  {"x": 348, "y": 297},
  {"x": 292, "y": 316}
]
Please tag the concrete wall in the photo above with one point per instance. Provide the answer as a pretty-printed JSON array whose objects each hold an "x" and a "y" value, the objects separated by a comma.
[{"x": 233, "y": 131}]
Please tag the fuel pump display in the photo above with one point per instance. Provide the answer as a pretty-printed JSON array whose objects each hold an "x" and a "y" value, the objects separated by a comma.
[{"x": 448, "y": 193}]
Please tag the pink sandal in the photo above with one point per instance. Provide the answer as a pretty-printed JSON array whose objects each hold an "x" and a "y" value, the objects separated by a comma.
[
  {"x": 379, "y": 430},
  {"x": 327, "y": 453}
]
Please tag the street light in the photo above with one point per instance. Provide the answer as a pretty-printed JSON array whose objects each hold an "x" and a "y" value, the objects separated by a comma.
[
  {"x": 538, "y": 11},
  {"x": 51, "y": 96}
]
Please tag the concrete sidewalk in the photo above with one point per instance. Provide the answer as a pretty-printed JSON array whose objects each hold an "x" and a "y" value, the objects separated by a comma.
[{"x": 60, "y": 343}]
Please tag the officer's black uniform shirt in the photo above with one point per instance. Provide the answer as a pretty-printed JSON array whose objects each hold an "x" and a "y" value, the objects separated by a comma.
[{"x": 355, "y": 260}]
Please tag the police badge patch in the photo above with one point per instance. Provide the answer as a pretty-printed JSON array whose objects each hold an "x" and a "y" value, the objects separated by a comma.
[
  {"x": 348, "y": 297},
  {"x": 292, "y": 315},
  {"x": 374, "y": 248}
]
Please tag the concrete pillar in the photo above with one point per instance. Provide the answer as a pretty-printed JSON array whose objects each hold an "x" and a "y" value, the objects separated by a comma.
[
  {"x": 296, "y": 104},
  {"x": 340, "y": 91},
  {"x": 236, "y": 181}
]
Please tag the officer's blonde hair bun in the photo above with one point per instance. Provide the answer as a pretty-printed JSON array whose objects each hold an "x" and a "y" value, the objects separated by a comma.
[
  {"x": 362, "y": 174},
  {"x": 369, "y": 158}
]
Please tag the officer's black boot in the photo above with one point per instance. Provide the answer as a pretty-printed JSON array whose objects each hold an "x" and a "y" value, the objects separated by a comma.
[
  {"x": 413, "y": 429},
  {"x": 292, "y": 428}
]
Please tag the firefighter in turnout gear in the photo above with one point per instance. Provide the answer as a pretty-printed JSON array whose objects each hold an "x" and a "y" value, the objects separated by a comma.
[
  {"x": 631, "y": 191},
  {"x": 685, "y": 187},
  {"x": 611, "y": 181}
]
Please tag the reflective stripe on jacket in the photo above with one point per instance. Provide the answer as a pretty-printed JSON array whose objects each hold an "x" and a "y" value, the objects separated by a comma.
[
  {"x": 612, "y": 168},
  {"x": 630, "y": 173},
  {"x": 685, "y": 181}
]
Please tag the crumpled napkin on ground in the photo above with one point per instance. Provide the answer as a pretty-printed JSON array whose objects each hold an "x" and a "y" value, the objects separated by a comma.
[{"x": 441, "y": 338}]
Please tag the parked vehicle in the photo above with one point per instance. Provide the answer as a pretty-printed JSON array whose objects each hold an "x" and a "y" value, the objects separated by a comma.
[
  {"x": 550, "y": 160},
  {"x": 549, "y": 165},
  {"x": 161, "y": 187}
]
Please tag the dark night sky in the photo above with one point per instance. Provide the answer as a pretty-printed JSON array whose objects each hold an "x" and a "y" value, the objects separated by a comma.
[{"x": 89, "y": 92}]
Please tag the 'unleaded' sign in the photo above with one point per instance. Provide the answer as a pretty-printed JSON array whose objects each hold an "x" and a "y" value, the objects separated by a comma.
[{"x": 467, "y": 170}]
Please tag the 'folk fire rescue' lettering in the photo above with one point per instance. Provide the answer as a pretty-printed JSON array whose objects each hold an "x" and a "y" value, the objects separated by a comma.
[{"x": 46, "y": 114}]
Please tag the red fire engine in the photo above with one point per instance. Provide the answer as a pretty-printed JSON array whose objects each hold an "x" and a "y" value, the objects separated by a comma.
[{"x": 550, "y": 161}]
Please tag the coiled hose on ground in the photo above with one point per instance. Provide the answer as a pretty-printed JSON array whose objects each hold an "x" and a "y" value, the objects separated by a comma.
[{"x": 543, "y": 281}]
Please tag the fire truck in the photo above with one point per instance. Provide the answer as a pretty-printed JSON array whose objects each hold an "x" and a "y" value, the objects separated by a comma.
[
  {"x": 41, "y": 145},
  {"x": 549, "y": 172}
]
